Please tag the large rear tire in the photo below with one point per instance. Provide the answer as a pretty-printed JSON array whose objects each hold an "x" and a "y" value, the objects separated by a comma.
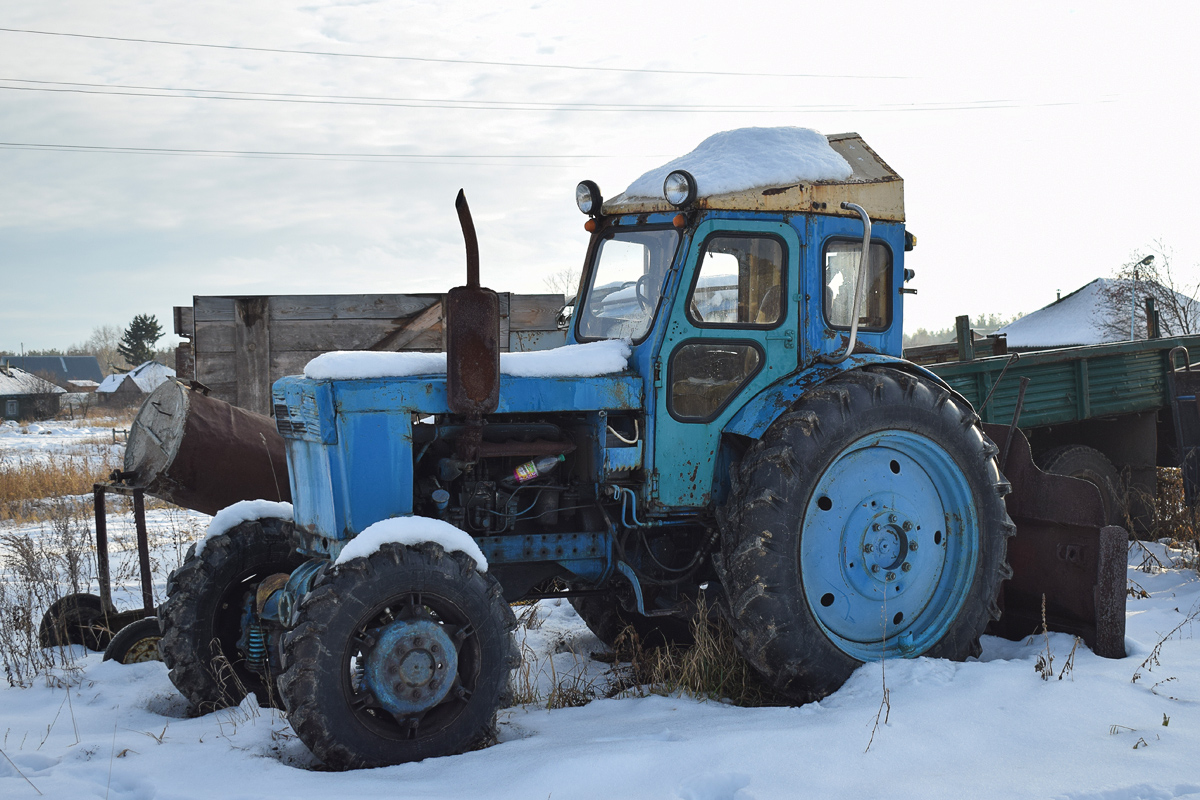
[
  {"x": 399, "y": 656},
  {"x": 867, "y": 522},
  {"x": 207, "y": 598}
]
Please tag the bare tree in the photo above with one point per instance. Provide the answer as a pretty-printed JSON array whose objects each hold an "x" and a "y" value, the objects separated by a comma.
[
  {"x": 564, "y": 282},
  {"x": 1149, "y": 273}
]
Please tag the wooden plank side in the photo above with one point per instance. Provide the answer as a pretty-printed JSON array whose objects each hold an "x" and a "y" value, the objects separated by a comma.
[
  {"x": 213, "y": 309},
  {"x": 350, "y": 306},
  {"x": 252, "y": 356},
  {"x": 505, "y": 324},
  {"x": 535, "y": 312},
  {"x": 185, "y": 321},
  {"x": 213, "y": 368}
]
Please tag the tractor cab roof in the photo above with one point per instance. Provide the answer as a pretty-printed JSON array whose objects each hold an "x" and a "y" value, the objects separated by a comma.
[{"x": 779, "y": 170}]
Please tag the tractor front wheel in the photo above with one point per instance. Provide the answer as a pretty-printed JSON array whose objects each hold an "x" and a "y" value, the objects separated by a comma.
[
  {"x": 398, "y": 656},
  {"x": 867, "y": 523},
  {"x": 209, "y": 598}
]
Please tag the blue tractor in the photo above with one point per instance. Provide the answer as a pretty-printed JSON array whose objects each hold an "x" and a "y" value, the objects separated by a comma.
[{"x": 763, "y": 449}]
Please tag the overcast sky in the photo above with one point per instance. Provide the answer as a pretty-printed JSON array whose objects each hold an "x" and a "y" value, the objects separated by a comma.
[{"x": 1041, "y": 144}]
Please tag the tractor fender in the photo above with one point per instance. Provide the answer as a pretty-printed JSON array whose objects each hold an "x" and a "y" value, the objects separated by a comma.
[{"x": 765, "y": 407}]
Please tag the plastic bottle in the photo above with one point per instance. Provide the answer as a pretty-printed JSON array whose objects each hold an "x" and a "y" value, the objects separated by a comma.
[{"x": 536, "y": 468}]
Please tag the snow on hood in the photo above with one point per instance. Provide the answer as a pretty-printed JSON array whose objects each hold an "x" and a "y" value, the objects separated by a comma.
[
  {"x": 412, "y": 531},
  {"x": 572, "y": 361},
  {"x": 745, "y": 158}
]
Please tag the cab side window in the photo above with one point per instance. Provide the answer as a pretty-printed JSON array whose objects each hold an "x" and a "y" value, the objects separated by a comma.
[
  {"x": 739, "y": 283},
  {"x": 841, "y": 271}
]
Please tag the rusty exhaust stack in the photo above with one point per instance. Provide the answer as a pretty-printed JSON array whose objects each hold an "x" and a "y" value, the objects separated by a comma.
[{"x": 472, "y": 344}]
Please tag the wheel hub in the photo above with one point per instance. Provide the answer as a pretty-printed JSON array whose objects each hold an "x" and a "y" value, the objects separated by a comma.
[{"x": 412, "y": 665}]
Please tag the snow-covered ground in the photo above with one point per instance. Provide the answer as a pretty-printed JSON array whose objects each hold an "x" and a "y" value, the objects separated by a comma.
[
  {"x": 993, "y": 728},
  {"x": 41, "y": 440}
]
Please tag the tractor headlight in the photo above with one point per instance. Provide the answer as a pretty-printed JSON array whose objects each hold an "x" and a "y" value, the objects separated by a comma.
[
  {"x": 680, "y": 188},
  {"x": 587, "y": 197}
]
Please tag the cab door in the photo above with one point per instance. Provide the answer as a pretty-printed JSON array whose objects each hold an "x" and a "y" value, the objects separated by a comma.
[{"x": 732, "y": 331}]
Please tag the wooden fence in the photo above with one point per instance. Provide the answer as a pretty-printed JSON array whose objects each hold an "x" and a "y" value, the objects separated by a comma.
[{"x": 241, "y": 345}]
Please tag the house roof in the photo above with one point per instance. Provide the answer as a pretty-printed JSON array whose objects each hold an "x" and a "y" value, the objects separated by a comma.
[
  {"x": 146, "y": 377},
  {"x": 16, "y": 382},
  {"x": 60, "y": 368},
  {"x": 1083, "y": 317}
]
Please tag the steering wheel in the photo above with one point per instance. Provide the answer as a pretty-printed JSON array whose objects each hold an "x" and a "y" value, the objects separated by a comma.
[{"x": 643, "y": 298}]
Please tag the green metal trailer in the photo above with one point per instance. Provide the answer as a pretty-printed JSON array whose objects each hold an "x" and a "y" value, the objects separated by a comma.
[{"x": 1109, "y": 413}]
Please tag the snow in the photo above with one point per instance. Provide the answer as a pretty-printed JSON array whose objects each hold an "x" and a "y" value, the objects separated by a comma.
[
  {"x": 411, "y": 531},
  {"x": 230, "y": 517},
  {"x": 989, "y": 729},
  {"x": 147, "y": 377},
  {"x": 570, "y": 361},
  {"x": 749, "y": 158},
  {"x": 1079, "y": 319},
  {"x": 15, "y": 382}
]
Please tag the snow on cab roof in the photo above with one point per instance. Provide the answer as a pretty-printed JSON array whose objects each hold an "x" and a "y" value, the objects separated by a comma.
[
  {"x": 571, "y": 361},
  {"x": 776, "y": 169}
]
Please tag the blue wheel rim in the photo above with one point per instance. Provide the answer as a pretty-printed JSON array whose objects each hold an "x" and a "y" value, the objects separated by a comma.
[{"x": 889, "y": 545}]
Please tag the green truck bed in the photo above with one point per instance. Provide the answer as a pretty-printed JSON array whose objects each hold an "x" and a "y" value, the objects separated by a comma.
[{"x": 1071, "y": 384}]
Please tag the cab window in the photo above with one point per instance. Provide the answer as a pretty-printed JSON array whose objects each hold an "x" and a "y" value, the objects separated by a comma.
[
  {"x": 841, "y": 270},
  {"x": 739, "y": 283}
]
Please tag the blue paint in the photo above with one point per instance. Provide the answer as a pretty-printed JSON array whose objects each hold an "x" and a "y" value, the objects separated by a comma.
[
  {"x": 891, "y": 525},
  {"x": 410, "y": 666}
]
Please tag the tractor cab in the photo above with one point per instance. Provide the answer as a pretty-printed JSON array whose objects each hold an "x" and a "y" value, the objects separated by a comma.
[{"x": 725, "y": 295}]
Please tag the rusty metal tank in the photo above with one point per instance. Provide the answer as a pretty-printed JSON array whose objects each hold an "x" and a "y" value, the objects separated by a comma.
[{"x": 202, "y": 453}]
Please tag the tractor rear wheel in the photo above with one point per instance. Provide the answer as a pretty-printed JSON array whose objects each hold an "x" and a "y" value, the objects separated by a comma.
[
  {"x": 867, "y": 522},
  {"x": 402, "y": 655},
  {"x": 208, "y": 598}
]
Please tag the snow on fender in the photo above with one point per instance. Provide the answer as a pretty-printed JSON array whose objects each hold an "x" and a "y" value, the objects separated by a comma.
[
  {"x": 412, "y": 531},
  {"x": 230, "y": 517}
]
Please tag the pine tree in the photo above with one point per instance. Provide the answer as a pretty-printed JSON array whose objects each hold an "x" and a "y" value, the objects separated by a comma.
[{"x": 137, "y": 344}]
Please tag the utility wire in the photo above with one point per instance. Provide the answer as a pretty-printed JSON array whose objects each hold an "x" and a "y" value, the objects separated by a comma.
[
  {"x": 134, "y": 90},
  {"x": 473, "y": 62},
  {"x": 120, "y": 90},
  {"x": 420, "y": 158}
]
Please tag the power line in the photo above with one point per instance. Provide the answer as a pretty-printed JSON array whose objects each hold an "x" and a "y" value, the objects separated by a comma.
[
  {"x": 473, "y": 62},
  {"x": 419, "y": 158},
  {"x": 128, "y": 90}
]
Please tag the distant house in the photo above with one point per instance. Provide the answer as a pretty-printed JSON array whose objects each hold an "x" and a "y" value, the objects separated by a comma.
[
  {"x": 1083, "y": 317},
  {"x": 59, "y": 370},
  {"x": 26, "y": 396},
  {"x": 132, "y": 387}
]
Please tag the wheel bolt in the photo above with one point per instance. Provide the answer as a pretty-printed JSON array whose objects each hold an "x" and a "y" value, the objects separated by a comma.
[
  {"x": 875, "y": 526},
  {"x": 874, "y": 568},
  {"x": 912, "y": 546},
  {"x": 868, "y": 547},
  {"x": 891, "y": 576},
  {"x": 907, "y": 526},
  {"x": 891, "y": 517},
  {"x": 905, "y": 567}
]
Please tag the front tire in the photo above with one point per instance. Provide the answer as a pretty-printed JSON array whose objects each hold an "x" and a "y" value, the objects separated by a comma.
[
  {"x": 868, "y": 522},
  {"x": 399, "y": 656},
  {"x": 207, "y": 598}
]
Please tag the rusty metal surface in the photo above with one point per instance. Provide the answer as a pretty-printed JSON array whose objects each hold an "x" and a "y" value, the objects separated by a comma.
[
  {"x": 472, "y": 334},
  {"x": 1062, "y": 551},
  {"x": 205, "y": 454}
]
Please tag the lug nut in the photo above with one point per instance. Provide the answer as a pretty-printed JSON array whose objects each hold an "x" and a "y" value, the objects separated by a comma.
[
  {"x": 905, "y": 567},
  {"x": 891, "y": 576},
  {"x": 868, "y": 547},
  {"x": 874, "y": 568},
  {"x": 912, "y": 546},
  {"x": 907, "y": 526},
  {"x": 891, "y": 517},
  {"x": 875, "y": 526}
]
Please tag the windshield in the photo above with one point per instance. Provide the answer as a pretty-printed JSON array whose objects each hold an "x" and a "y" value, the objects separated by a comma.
[{"x": 626, "y": 283}]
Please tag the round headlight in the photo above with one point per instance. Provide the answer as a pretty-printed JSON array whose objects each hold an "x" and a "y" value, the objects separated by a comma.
[
  {"x": 587, "y": 197},
  {"x": 680, "y": 188}
]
